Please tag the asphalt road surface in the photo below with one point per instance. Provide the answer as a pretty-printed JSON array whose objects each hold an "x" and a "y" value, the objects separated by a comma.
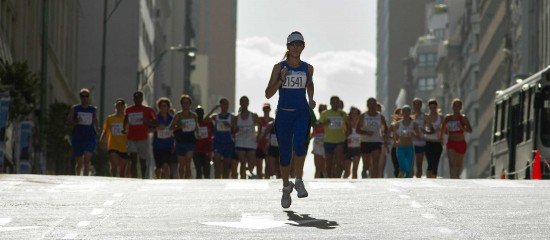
[{"x": 69, "y": 207}]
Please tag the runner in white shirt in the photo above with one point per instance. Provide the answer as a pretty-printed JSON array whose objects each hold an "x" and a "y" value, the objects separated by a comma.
[
  {"x": 353, "y": 144},
  {"x": 424, "y": 126},
  {"x": 318, "y": 136},
  {"x": 244, "y": 127},
  {"x": 372, "y": 127},
  {"x": 433, "y": 140}
]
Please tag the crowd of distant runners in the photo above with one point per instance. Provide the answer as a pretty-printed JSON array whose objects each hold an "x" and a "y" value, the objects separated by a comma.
[{"x": 260, "y": 146}]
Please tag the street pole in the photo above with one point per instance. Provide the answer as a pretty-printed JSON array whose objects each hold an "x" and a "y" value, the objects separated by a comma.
[
  {"x": 102, "y": 83},
  {"x": 43, "y": 78},
  {"x": 187, "y": 42}
]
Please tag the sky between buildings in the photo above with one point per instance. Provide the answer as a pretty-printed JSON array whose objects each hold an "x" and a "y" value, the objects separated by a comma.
[{"x": 340, "y": 44}]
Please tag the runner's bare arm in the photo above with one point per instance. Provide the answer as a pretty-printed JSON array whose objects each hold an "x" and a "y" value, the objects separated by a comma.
[
  {"x": 70, "y": 120},
  {"x": 234, "y": 128},
  {"x": 310, "y": 88},
  {"x": 174, "y": 123},
  {"x": 275, "y": 82}
]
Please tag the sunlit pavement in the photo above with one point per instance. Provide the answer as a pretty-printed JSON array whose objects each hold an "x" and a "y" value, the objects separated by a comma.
[{"x": 69, "y": 207}]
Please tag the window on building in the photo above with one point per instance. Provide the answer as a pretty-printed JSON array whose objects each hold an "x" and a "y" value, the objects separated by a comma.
[
  {"x": 431, "y": 59},
  {"x": 422, "y": 60},
  {"x": 426, "y": 60},
  {"x": 425, "y": 84}
]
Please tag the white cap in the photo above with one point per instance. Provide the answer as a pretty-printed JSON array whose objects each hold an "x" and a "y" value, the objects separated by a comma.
[{"x": 295, "y": 36}]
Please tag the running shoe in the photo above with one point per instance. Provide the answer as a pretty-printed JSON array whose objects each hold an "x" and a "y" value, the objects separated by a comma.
[
  {"x": 401, "y": 174},
  {"x": 286, "y": 200},
  {"x": 300, "y": 188},
  {"x": 364, "y": 174}
]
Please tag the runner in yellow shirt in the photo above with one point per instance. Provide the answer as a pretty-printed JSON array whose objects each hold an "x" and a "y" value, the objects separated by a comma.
[
  {"x": 115, "y": 140},
  {"x": 333, "y": 121}
]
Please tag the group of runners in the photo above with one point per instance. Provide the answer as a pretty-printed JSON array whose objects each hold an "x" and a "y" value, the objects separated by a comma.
[
  {"x": 239, "y": 144},
  {"x": 178, "y": 138}
]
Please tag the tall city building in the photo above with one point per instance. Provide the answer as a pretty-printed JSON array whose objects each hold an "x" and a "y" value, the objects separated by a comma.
[
  {"x": 494, "y": 74},
  {"x": 44, "y": 34},
  {"x": 21, "y": 29},
  {"x": 170, "y": 48},
  {"x": 544, "y": 32},
  {"x": 399, "y": 24},
  {"x": 215, "y": 25},
  {"x": 143, "y": 50},
  {"x": 458, "y": 69},
  {"x": 121, "y": 46}
]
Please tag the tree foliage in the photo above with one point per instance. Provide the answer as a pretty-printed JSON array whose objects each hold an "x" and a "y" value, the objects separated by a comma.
[
  {"x": 22, "y": 85},
  {"x": 58, "y": 143}
]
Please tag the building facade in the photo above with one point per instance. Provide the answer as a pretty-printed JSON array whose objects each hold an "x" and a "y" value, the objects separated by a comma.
[
  {"x": 215, "y": 24},
  {"x": 399, "y": 25},
  {"x": 143, "y": 51},
  {"x": 44, "y": 34}
]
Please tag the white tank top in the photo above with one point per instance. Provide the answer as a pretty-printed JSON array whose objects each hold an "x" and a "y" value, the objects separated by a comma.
[
  {"x": 354, "y": 139},
  {"x": 374, "y": 124},
  {"x": 434, "y": 137},
  {"x": 421, "y": 122},
  {"x": 273, "y": 140},
  {"x": 246, "y": 136},
  {"x": 405, "y": 131}
]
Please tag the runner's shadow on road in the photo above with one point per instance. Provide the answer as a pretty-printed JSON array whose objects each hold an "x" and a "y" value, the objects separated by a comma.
[{"x": 305, "y": 220}]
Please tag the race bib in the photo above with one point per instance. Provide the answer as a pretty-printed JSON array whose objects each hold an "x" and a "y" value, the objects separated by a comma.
[
  {"x": 372, "y": 125},
  {"x": 116, "y": 129},
  {"x": 319, "y": 137},
  {"x": 221, "y": 126},
  {"x": 406, "y": 132},
  {"x": 246, "y": 131},
  {"x": 164, "y": 133},
  {"x": 85, "y": 118},
  {"x": 354, "y": 141},
  {"x": 453, "y": 126},
  {"x": 295, "y": 81},
  {"x": 335, "y": 122},
  {"x": 135, "y": 118},
  {"x": 262, "y": 131},
  {"x": 203, "y": 132},
  {"x": 188, "y": 125},
  {"x": 273, "y": 140}
]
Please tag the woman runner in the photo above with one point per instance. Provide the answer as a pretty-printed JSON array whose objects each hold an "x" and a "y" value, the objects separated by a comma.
[
  {"x": 455, "y": 125},
  {"x": 403, "y": 133},
  {"x": 291, "y": 78}
]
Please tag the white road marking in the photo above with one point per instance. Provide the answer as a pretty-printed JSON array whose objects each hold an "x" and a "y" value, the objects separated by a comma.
[
  {"x": 495, "y": 183},
  {"x": 5, "y": 185},
  {"x": 75, "y": 187},
  {"x": 161, "y": 185},
  {"x": 52, "y": 227},
  {"x": 83, "y": 223},
  {"x": 445, "y": 230},
  {"x": 393, "y": 189},
  {"x": 259, "y": 221},
  {"x": 247, "y": 185},
  {"x": 428, "y": 215},
  {"x": 331, "y": 185},
  {"x": 416, "y": 183},
  {"x": 404, "y": 196},
  {"x": 97, "y": 211},
  {"x": 160, "y": 188},
  {"x": 6, "y": 229},
  {"x": 108, "y": 203},
  {"x": 415, "y": 204},
  {"x": 117, "y": 195},
  {"x": 70, "y": 236},
  {"x": 4, "y": 221}
]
